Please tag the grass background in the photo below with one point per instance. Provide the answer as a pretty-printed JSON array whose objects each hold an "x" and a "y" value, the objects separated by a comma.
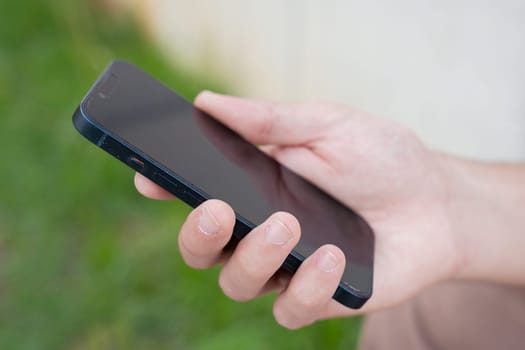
[{"x": 85, "y": 262}]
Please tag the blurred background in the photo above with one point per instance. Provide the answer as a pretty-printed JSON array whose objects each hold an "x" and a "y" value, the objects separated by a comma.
[
  {"x": 87, "y": 263},
  {"x": 452, "y": 70}
]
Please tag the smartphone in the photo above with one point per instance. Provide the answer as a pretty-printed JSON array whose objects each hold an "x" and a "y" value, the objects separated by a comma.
[{"x": 159, "y": 134}]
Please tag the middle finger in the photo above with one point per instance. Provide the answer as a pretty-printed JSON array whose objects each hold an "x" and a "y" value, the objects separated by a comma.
[{"x": 258, "y": 256}]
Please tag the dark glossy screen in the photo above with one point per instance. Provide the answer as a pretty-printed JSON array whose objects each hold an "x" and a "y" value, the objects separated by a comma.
[{"x": 134, "y": 107}]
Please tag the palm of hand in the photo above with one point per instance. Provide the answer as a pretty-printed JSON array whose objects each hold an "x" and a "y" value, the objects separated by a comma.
[{"x": 382, "y": 171}]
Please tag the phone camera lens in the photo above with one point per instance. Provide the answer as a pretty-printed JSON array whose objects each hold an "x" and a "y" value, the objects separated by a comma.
[
  {"x": 107, "y": 86},
  {"x": 102, "y": 95}
]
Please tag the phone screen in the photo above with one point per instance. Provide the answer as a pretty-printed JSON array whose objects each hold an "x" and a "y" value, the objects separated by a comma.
[{"x": 213, "y": 160}]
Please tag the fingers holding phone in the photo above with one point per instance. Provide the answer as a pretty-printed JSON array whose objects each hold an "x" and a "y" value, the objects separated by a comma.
[
  {"x": 254, "y": 266},
  {"x": 194, "y": 157},
  {"x": 259, "y": 256},
  {"x": 205, "y": 233},
  {"x": 307, "y": 297}
]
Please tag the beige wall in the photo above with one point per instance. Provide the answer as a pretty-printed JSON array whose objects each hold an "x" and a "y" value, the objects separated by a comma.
[{"x": 452, "y": 70}]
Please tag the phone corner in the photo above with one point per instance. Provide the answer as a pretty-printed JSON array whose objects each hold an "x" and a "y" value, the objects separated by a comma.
[
  {"x": 351, "y": 298},
  {"x": 85, "y": 127}
]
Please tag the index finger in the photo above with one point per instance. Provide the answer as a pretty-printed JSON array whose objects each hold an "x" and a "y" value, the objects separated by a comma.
[
  {"x": 264, "y": 123},
  {"x": 149, "y": 189}
]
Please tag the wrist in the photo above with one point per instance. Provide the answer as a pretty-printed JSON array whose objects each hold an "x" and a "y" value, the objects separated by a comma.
[
  {"x": 454, "y": 171},
  {"x": 451, "y": 170},
  {"x": 484, "y": 205}
]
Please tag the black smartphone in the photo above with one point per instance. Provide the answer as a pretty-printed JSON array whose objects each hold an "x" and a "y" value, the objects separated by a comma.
[{"x": 146, "y": 125}]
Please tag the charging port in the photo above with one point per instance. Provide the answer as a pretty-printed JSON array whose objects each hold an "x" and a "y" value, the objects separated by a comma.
[{"x": 136, "y": 163}]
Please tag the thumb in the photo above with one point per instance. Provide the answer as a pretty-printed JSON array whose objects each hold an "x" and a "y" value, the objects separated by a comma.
[{"x": 261, "y": 122}]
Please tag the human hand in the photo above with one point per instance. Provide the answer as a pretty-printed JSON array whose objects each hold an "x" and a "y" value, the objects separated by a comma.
[{"x": 373, "y": 165}]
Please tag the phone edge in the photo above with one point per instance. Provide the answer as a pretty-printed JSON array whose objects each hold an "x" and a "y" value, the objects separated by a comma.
[{"x": 344, "y": 294}]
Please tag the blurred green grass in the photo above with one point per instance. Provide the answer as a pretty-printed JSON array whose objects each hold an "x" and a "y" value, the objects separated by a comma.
[{"x": 85, "y": 262}]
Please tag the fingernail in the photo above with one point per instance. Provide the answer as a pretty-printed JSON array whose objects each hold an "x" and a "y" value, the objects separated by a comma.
[
  {"x": 277, "y": 233},
  {"x": 327, "y": 262},
  {"x": 208, "y": 224}
]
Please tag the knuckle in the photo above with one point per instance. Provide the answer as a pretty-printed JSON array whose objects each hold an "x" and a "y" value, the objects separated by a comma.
[
  {"x": 286, "y": 323},
  {"x": 306, "y": 303},
  {"x": 267, "y": 125},
  {"x": 224, "y": 284},
  {"x": 229, "y": 289},
  {"x": 285, "y": 319},
  {"x": 199, "y": 245},
  {"x": 251, "y": 272},
  {"x": 197, "y": 263},
  {"x": 280, "y": 317},
  {"x": 202, "y": 252},
  {"x": 241, "y": 298}
]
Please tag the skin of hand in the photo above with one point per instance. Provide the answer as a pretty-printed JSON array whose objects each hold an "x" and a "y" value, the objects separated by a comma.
[{"x": 375, "y": 166}]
